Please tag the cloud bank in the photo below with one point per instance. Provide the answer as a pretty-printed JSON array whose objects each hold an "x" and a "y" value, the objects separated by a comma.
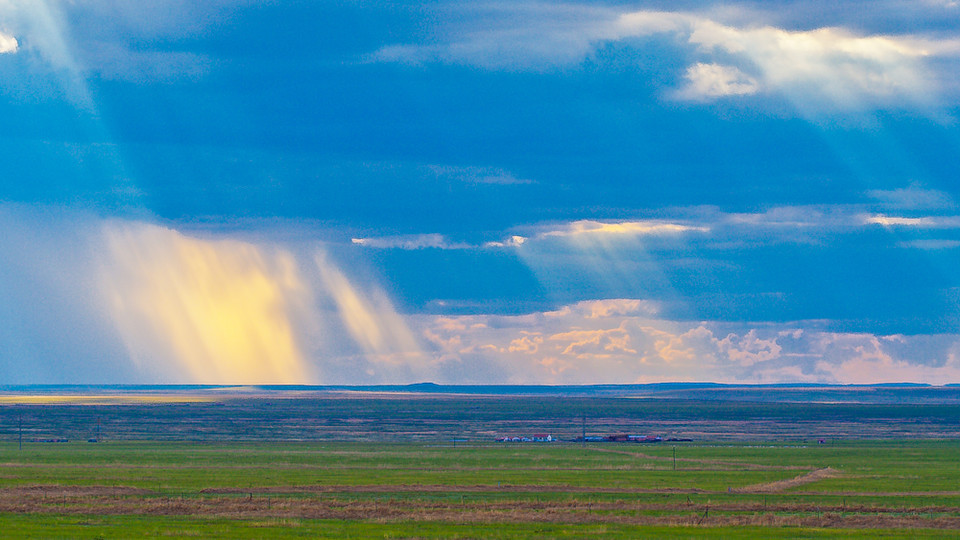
[{"x": 623, "y": 341}]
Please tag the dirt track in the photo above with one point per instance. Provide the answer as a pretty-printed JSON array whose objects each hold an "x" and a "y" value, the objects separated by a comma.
[{"x": 781, "y": 485}]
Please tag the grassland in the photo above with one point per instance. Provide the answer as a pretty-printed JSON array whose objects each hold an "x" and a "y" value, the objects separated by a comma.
[{"x": 389, "y": 467}]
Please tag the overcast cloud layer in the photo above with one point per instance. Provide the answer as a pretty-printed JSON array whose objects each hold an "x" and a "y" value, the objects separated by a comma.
[{"x": 248, "y": 192}]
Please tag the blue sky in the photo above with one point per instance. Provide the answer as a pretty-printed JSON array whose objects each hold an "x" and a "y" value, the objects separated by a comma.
[{"x": 479, "y": 192}]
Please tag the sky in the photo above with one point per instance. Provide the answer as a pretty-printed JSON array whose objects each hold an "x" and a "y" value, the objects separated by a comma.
[{"x": 348, "y": 192}]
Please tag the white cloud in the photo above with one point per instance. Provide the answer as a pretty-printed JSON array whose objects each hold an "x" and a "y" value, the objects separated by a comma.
[
  {"x": 510, "y": 242},
  {"x": 893, "y": 221},
  {"x": 792, "y": 217},
  {"x": 589, "y": 227},
  {"x": 715, "y": 80},
  {"x": 645, "y": 23},
  {"x": 927, "y": 222},
  {"x": 409, "y": 242},
  {"x": 8, "y": 43},
  {"x": 833, "y": 63},
  {"x": 828, "y": 67},
  {"x": 749, "y": 349},
  {"x": 814, "y": 224}
]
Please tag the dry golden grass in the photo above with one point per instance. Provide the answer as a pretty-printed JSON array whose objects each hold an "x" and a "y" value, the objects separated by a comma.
[{"x": 105, "y": 500}]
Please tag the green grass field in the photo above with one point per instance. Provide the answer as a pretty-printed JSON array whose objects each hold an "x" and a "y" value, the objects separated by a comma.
[
  {"x": 383, "y": 465},
  {"x": 126, "y": 489}
]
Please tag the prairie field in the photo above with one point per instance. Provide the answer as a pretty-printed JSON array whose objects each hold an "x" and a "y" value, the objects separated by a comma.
[{"x": 428, "y": 468}]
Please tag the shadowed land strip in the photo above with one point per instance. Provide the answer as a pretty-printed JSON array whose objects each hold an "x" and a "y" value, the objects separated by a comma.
[
  {"x": 298, "y": 466},
  {"x": 71, "y": 491},
  {"x": 440, "y": 488},
  {"x": 513, "y": 511}
]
